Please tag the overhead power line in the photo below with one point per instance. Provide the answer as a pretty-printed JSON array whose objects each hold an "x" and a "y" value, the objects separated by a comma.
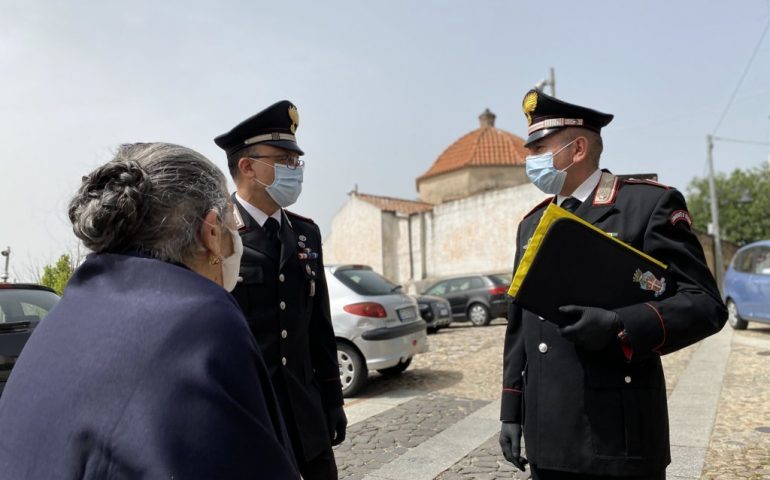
[
  {"x": 733, "y": 140},
  {"x": 740, "y": 82}
]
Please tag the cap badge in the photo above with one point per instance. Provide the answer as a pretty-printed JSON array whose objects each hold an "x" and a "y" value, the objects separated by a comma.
[
  {"x": 648, "y": 281},
  {"x": 294, "y": 116},
  {"x": 529, "y": 105}
]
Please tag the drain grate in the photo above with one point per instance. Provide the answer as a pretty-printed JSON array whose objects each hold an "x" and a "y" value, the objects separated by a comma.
[
  {"x": 763, "y": 429},
  {"x": 766, "y": 353}
]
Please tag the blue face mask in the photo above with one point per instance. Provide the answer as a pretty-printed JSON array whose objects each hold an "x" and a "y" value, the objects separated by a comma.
[
  {"x": 286, "y": 186},
  {"x": 544, "y": 175}
]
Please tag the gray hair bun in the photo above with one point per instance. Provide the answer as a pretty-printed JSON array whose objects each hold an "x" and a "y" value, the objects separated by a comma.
[
  {"x": 110, "y": 205},
  {"x": 151, "y": 197}
]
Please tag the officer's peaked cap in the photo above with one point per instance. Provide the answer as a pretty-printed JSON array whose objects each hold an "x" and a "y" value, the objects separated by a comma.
[
  {"x": 276, "y": 125},
  {"x": 546, "y": 115}
]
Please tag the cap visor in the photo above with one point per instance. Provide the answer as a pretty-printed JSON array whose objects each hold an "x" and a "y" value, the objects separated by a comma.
[
  {"x": 285, "y": 144},
  {"x": 539, "y": 135}
]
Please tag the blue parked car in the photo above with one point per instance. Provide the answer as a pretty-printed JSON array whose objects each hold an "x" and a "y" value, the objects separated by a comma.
[{"x": 747, "y": 285}]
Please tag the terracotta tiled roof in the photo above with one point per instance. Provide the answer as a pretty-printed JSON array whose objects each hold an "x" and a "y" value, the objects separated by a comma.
[
  {"x": 485, "y": 146},
  {"x": 390, "y": 204}
]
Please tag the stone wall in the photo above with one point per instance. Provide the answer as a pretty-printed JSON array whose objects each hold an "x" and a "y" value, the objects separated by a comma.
[
  {"x": 447, "y": 185},
  {"x": 469, "y": 181},
  {"x": 356, "y": 235},
  {"x": 478, "y": 233}
]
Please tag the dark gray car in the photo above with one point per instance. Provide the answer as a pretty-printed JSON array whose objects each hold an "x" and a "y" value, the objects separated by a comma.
[
  {"x": 22, "y": 306},
  {"x": 478, "y": 298}
]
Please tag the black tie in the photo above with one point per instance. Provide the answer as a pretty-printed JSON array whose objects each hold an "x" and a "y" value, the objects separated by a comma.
[
  {"x": 570, "y": 204},
  {"x": 271, "y": 230}
]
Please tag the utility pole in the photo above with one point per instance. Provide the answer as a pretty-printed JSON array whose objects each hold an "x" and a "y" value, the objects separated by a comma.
[
  {"x": 551, "y": 82},
  {"x": 7, "y": 254},
  {"x": 718, "y": 266}
]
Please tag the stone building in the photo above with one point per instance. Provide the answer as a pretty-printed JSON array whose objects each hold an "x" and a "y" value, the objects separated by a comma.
[{"x": 470, "y": 202}]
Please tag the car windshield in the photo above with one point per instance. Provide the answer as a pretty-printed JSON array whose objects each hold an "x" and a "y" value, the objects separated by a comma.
[
  {"x": 366, "y": 282},
  {"x": 25, "y": 305}
]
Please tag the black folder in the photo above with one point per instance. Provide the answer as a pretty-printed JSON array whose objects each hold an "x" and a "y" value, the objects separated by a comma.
[{"x": 571, "y": 262}]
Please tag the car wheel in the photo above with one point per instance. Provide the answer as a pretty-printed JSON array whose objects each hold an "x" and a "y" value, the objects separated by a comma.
[
  {"x": 732, "y": 317},
  {"x": 397, "y": 370},
  {"x": 353, "y": 371},
  {"x": 432, "y": 329},
  {"x": 478, "y": 314}
]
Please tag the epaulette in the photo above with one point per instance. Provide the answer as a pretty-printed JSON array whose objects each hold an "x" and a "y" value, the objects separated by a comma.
[
  {"x": 538, "y": 207},
  {"x": 644, "y": 181},
  {"x": 300, "y": 217}
]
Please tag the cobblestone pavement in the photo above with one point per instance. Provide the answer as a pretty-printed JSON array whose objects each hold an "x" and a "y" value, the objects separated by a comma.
[
  {"x": 463, "y": 371},
  {"x": 382, "y": 438},
  {"x": 484, "y": 463},
  {"x": 737, "y": 448}
]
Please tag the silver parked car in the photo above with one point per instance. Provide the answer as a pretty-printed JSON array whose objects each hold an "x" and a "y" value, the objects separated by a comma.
[{"x": 377, "y": 327}]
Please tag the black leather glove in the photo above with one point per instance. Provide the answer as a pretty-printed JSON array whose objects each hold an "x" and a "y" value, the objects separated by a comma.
[
  {"x": 337, "y": 422},
  {"x": 510, "y": 443},
  {"x": 594, "y": 329}
]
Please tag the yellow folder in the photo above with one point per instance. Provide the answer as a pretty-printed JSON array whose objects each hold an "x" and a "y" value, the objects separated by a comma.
[{"x": 568, "y": 261}]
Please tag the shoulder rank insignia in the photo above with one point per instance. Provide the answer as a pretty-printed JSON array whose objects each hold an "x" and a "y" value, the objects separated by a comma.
[
  {"x": 644, "y": 181},
  {"x": 648, "y": 281},
  {"x": 300, "y": 217}
]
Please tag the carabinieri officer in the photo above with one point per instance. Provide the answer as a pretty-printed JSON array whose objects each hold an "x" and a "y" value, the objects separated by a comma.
[
  {"x": 283, "y": 289},
  {"x": 591, "y": 396}
]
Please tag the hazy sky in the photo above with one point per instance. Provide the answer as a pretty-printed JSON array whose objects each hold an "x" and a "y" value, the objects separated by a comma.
[{"x": 383, "y": 87}]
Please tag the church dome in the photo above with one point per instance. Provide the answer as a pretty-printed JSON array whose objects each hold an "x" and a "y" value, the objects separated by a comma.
[{"x": 484, "y": 147}]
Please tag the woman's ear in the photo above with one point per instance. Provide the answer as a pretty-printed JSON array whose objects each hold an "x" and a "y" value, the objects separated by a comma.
[{"x": 209, "y": 234}]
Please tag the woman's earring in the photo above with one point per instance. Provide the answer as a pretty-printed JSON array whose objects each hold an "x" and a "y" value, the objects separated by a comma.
[{"x": 215, "y": 260}]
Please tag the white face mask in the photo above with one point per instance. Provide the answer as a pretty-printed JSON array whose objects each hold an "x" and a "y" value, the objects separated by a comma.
[{"x": 231, "y": 266}]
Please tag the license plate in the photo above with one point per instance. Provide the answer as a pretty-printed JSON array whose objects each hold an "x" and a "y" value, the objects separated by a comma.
[
  {"x": 443, "y": 312},
  {"x": 406, "y": 314}
]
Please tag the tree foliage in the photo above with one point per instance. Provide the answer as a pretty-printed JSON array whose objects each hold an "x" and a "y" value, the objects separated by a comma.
[
  {"x": 57, "y": 275},
  {"x": 744, "y": 204}
]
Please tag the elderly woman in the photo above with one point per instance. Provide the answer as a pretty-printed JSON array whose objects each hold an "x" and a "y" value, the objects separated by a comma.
[{"x": 146, "y": 367}]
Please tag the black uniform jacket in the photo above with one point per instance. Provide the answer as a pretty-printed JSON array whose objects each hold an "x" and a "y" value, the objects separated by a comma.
[
  {"x": 598, "y": 412},
  {"x": 286, "y": 302},
  {"x": 143, "y": 369}
]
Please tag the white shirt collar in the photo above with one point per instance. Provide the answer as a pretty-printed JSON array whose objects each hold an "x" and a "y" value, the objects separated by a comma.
[
  {"x": 585, "y": 189},
  {"x": 257, "y": 214}
]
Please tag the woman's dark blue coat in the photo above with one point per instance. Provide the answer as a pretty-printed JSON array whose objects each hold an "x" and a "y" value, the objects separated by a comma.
[{"x": 144, "y": 369}]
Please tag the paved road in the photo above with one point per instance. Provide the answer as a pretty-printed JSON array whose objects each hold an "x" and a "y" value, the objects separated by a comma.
[{"x": 438, "y": 420}]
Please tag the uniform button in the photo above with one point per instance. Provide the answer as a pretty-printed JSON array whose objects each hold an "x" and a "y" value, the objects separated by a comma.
[
  {"x": 282, "y": 305},
  {"x": 281, "y": 278},
  {"x": 541, "y": 318},
  {"x": 627, "y": 379},
  {"x": 284, "y": 334},
  {"x": 542, "y": 347},
  {"x": 283, "y": 361}
]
